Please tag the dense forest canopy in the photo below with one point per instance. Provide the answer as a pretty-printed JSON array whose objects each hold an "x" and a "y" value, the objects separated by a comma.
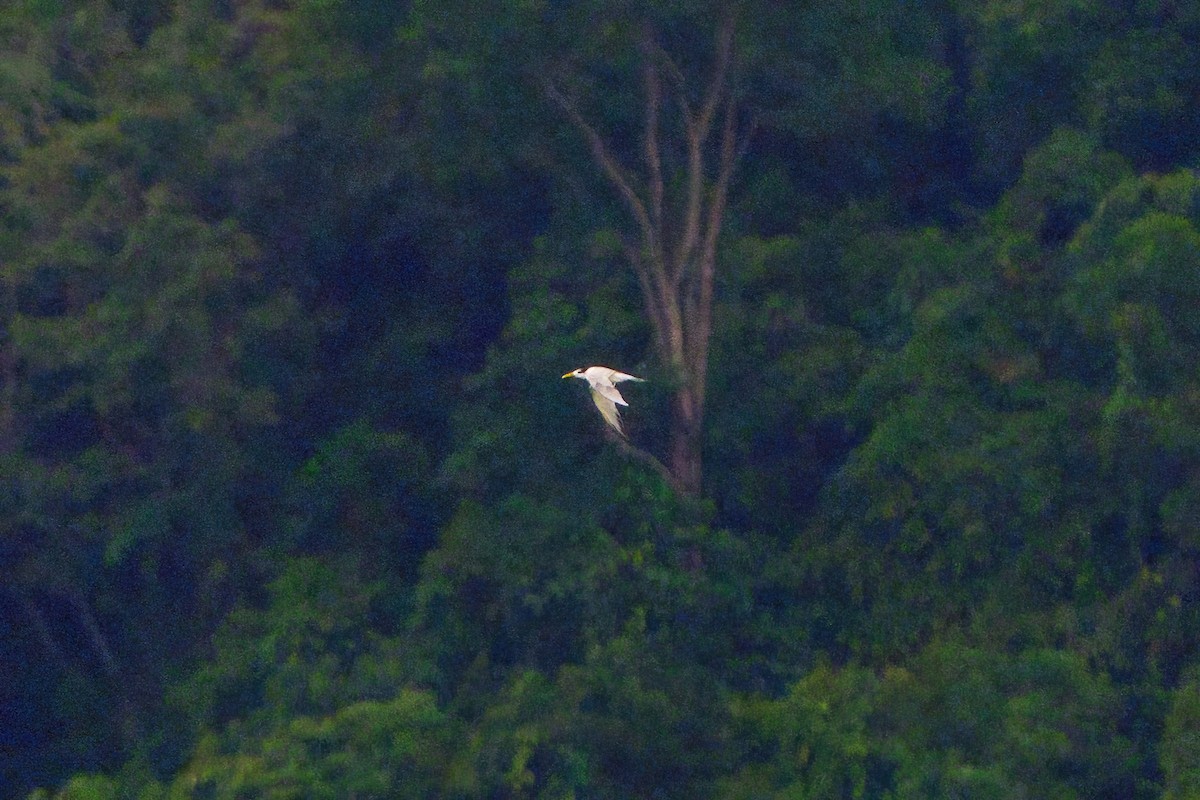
[{"x": 294, "y": 504}]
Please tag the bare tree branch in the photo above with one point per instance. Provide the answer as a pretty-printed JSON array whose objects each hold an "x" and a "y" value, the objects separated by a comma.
[
  {"x": 96, "y": 636},
  {"x": 605, "y": 159},
  {"x": 676, "y": 75},
  {"x": 717, "y": 86},
  {"x": 696, "y": 131},
  {"x": 641, "y": 455},
  {"x": 693, "y": 204},
  {"x": 38, "y": 621},
  {"x": 653, "y": 154},
  {"x": 708, "y": 258},
  {"x": 654, "y": 312}
]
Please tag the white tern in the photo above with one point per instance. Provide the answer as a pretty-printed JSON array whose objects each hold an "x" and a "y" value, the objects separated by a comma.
[{"x": 604, "y": 393}]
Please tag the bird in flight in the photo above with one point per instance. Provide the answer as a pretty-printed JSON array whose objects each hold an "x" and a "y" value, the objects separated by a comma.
[{"x": 601, "y": 381}]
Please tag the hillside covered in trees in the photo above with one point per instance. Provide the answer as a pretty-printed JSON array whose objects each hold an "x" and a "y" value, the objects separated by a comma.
[{"x": 294, "y": 504}]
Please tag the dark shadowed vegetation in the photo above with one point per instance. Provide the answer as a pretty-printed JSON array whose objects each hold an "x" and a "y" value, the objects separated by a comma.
[{"x": 293, "y": 503}]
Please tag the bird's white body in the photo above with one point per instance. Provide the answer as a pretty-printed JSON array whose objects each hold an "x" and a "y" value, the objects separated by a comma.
[{"x": 602, "y": 380}]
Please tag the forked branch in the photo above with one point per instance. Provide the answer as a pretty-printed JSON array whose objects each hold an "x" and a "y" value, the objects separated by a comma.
[
  {"x": 678, "y": 222},
  {"x": 604, "y": 157}
]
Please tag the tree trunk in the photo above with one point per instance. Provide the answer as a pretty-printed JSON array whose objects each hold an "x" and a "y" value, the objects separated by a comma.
[
  {"x": 673, "y": 247},
  {"x": 686, "y": 439}
]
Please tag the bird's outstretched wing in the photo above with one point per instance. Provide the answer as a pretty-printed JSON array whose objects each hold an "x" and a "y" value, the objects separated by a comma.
[
  {"x": 608, "y": 409},
  {"x": 609, "y": 391}
]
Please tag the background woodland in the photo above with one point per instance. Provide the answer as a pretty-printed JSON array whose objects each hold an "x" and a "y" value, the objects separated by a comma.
[{"x": 293, "y": 502}]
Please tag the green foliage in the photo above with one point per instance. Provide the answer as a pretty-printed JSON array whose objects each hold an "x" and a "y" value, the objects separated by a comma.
[
  {"x": 365, "y": 485},
  {"x": 305, "y": 652},
  {"x": 958, "y": 720},
  {"x": 1062, "y": 181},
  {"x": 620, "y": 722},
  {"x": 367, "y": 749},
  {"x": 814, "y": 742},
  {"x": 833, "y": 65},
  {"x": 294, "y": 504},
  {"x": 966, "y": 720},
  {"x": 82, "y": 787},
  {"x": 1179, "y": 748}
]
